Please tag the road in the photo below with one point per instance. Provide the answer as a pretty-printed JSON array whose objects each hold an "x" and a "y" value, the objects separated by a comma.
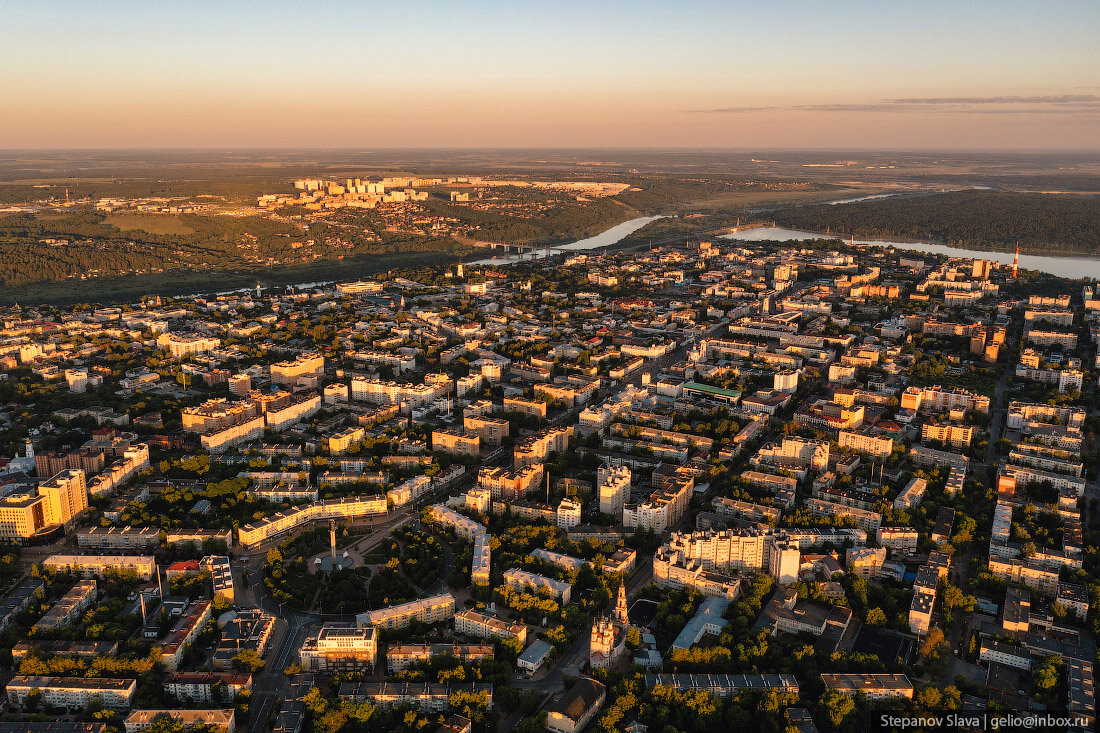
[{"x": 999, "y": 408}]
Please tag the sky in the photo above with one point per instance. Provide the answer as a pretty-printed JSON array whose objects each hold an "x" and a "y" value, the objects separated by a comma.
[{"x": 414, "y": 73}]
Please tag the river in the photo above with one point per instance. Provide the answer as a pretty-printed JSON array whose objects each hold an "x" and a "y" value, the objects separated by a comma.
[
  {"x": 1070, "y": 267},
  {"x": 606, "y": 238}
]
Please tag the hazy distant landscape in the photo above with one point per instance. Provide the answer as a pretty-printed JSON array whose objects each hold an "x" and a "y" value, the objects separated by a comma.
[{"x": 174, "y": 222}]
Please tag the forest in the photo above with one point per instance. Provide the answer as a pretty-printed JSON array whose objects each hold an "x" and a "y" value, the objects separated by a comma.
[
  {"x": 986, "y": 220},
  {"x": 220, "y": 253}
]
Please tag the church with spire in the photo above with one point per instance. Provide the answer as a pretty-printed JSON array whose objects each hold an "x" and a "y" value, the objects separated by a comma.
[{"x": 607, "y": 644}]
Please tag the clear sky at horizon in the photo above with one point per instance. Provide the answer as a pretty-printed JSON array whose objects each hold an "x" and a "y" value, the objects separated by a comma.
[{"x": 896, "y": 75}]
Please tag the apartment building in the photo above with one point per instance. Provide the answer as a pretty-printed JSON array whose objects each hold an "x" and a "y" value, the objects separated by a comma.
[
  {"x": 409, "y": 490},
  {"x": 425, "y": 610},
  {"x": 18, "y": 599},
  {"x": 474, "y": 623},
  {"x": 1066, "y": 339},
  {"x": 1014, "y": 476},
  {"x": 69, "y": 607},
  {"x": 343, "y": 441},
  {"x": 1029, "y": 416},
  {"x": 428, "y": 697},
  {"x": 183, "y": 345},
  {"x": 795, "y": 454},
  {"x": 538, "y": 448},
  {"x": 863, "y": 442},
  {"x": 222, "y": 440},
  {"x": 568, "y": 514},
  {"x": 1025, "y": 572},
  {"x": 307, "y": 368},
  {"x": 511, "y": 485},
  {"x": 920, "y": 608},
  {"x": 614, "y": 488},
  {"x": 481, "y": 562},
  {"x": 96, "y": 565},
  {"x": 72, "y": 693},
  {"x": 531, "y": 408},
  {"x": 185, "y": 631},
  {"x": 53, "y": 504},
  {"x": 221, "y": 575},
  {"x": 218, "y": 719},
  {"x": 349, "y": 508},
  {"x": 746, "y": 510},
  {"x": 456, "y": 443},
  {"x": 66, "y": 496},
  {"x": 490, "y": 429},
  {"x": 938, "y": 399},
  {"x": 1075, "y": 598},
  {"x": 911, "y": 495},
  {"x": 865, "y": 562},
  {"x": 773, "y": 482},
  {"x": 684, "y": 554},
  {"x": 463, "y": 526},
  {"x": 392, "y": 393},
  {"x": 118, "y": 538},
  {"x": 217, "y": 414},
  {"x": 957, "y": 436},
  {"x": 866, "y": 520},
  {"x": 206, "y": 686},
  {"x": 400, "y": 657},
  {"x": 524, "y": 581},
  {"x": 282, "y": 413},
  {"x": 663, "y": 509},
  {"x": 724, "y": 686},
  {"x": 898, "y": 538}
]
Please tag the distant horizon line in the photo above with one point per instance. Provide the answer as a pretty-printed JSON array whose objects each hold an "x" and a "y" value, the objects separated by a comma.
[{"x": 651, "y": 148}]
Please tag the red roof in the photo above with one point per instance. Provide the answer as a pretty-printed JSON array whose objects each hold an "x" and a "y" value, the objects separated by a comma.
[{"x": 184, "y": 566}]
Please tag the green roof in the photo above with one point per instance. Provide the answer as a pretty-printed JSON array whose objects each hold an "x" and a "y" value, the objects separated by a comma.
[{"x": 713, "y": 390}]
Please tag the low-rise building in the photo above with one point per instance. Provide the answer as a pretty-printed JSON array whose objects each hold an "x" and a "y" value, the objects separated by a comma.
[
  {"x": 340, "y": 647},
  {"x": 872, "y": 686},
  {"x": 576, "y": 707},
  {"x": 139, "y": 720}
]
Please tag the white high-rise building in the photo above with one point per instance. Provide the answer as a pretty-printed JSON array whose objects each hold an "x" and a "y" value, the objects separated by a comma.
[{"x": 614, "y": 488}]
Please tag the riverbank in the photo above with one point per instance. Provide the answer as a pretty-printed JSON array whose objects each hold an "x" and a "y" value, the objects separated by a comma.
[{"x": 1062, "y": 266}]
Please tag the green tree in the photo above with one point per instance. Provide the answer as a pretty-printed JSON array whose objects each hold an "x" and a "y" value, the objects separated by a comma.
[
  {"x": 247, "y": 661},
  {"x": 837, "y": 706}
]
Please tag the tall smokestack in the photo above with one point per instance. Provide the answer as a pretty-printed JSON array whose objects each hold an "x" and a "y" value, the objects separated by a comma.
[{"x": 1016, "y": 261}]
